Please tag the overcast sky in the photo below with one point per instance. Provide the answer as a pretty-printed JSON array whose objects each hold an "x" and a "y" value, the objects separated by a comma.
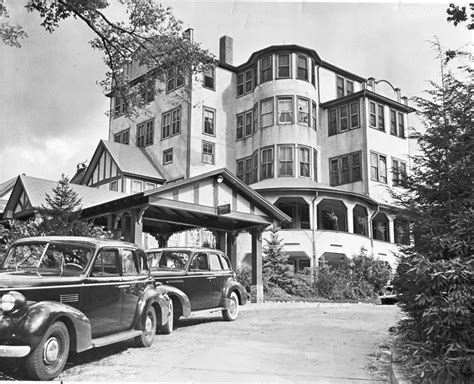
[{"x": 53, "y": 112}]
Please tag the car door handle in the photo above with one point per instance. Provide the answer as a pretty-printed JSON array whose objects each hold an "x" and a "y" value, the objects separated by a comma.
[
  {"x": 211, "y": 278},
  {"x": 123, "y": 286}
]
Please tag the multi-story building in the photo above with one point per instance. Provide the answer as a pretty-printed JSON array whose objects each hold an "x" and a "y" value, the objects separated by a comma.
[{"x": 324, "y": 145}]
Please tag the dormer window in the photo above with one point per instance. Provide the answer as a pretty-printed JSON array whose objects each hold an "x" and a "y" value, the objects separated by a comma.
[{"x": 344, "y": 86}]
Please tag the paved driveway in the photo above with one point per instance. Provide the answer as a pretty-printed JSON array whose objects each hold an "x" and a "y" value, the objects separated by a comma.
[{"x": 271, "y": 342}]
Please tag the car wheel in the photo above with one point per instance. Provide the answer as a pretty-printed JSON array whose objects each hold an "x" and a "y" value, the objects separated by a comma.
[
  {"x": 49, "y": 357},
  {"x": 232, "y": 312},
  {"x": 168, "y": 327},
  {"x": 149, "y": 329}
]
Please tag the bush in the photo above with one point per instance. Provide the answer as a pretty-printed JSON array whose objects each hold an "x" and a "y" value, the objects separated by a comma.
[
  {"x": 437, "y": 296},
  {"x": 244, "y": 277}
]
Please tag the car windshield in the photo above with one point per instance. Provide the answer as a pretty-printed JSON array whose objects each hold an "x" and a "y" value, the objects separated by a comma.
[
  {"x": 60, "y": 259},
  {"x": 168, "y": 259}
]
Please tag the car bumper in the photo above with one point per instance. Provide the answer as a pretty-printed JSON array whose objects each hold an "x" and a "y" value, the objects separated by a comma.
[{"x": 14, "y": 350}]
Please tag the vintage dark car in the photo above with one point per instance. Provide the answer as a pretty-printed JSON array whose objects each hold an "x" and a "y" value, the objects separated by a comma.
[
  {"x": 197, "y": 279},
  {"x": 62, "y": 294}
]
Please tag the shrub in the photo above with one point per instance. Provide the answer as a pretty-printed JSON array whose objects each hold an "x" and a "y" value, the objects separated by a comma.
[{"x": 244, "y": 277}]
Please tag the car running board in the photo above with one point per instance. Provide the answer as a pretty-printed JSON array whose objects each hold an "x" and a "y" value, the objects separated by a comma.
[
  {"x": 217, "y": 309},
  {"x": 116, "y": 338}
]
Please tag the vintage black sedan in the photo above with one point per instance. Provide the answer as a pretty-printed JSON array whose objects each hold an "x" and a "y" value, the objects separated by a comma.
[
  {"x": 62, "y": 294},
  {"x": 197, "y": 279}
]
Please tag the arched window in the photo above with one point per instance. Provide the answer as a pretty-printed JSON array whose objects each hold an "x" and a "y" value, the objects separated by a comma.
[
  {"x": 332, "y": 215},
  {"x": 380, "y": 227},
  {"x": 360, "y": 220},
  {"x": 402, "y": 231}
]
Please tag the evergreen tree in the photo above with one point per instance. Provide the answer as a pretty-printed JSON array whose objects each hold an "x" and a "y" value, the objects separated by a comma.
[
  {"x": 275, "y": 266},
  {"x": 434, "y": 277}
]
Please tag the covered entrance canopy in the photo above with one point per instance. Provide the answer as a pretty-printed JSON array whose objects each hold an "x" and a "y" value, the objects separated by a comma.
[{"x": 216, "y": 200}]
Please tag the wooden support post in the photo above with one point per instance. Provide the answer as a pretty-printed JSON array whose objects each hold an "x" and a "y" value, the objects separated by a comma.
[
  {"x": 232, "y": 249},
  {"x": 136, "y": 228},
  {"x": 256, "y": 290}
]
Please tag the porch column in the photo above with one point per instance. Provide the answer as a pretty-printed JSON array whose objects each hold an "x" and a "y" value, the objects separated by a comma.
[
  {"x": 220, "y": 241},
  {"x": 136, "y": 228},
  {"x": 391, "y": 229},
  {"x": 232, "y": 249},
  {"x": 256, "y": 289}
]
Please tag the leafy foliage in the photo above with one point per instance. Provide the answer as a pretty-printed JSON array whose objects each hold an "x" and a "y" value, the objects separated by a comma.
[
  {"x": 434, "y": 277},
  {"x": 151, "y": 36},
  {"x": 457, "y": 15}
]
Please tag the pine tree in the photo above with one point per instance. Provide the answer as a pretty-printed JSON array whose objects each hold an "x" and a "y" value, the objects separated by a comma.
[
  {"x": 275, "y": 263},
  {"x": 434, "y": 277}
]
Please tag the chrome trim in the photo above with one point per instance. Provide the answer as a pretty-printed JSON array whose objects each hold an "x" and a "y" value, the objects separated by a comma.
[
  {"x": 69, "y": 298},
  {"x": 14, "y": 350},
  {"x": 8, "y": 289}
]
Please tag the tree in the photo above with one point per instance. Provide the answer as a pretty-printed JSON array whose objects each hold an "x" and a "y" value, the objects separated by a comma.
[
  {"x": 275, "y": 265},
  {"x": 62, "y": 216},
  {"x": 151, "y": 36},
  {"x": 434, "y": 277}
]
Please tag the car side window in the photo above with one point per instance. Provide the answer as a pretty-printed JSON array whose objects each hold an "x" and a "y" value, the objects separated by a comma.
[
  {"x": 106, "y": 263},
  {"x": 153, "y": 259},
  {"x": 214, "y": 262},
  {"x": 199, "y": 263},
  {"x": 130, "y": 263},
  {"x": 225, "y": 262}
]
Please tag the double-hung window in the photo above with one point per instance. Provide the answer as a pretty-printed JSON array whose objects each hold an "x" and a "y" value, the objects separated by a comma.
[
  {"x": 245, "y": 125},
  {"x": 171, "y": 123},
  {"x": 284, "y": 66},
  {"x": 397, "y": 123},
  {"x": 122, "y": 137},
  {"x": 345, "y": 169},
  {"x": 313, "y": 116},
  {"x": 266, "y": 163},
  {"x": 303, "y": 111},
  {"x": 147, "y": 89},
  {"x": 343, "y": 118},
  {"x": 302, "y": 68},
  {"x": 376, "y": 116},
  {"x": 246, "y": 169},
  {"x": 244, "y": 82},
  {"x": 304, "y": 161},
  {"x": 343, "y": 86},
  {"x": 399, "y": 172},
  {"x": 120, "y": 106},
  {"x": 145, "y": 133},
  {"x": 285, "y": 110},
  {"x": 168, "y": 156},
  {"x": 209, "y": 121},
  {"x": 378, "y": 167},
  {"x": 266, "y": 69},
  {"x": 175, "y": 78},
  {"x": 266, "y": 112},
  {"x": 208, "y": 152},
  {"x": 209, "y": 79},
  {"x": 285, "y": 160},
  {"x": 240, "y": 169}
]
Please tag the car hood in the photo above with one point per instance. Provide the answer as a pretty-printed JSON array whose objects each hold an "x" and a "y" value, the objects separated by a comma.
[{"x": 27, "y": 279}]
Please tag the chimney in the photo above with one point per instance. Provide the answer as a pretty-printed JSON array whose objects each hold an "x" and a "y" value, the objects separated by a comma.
[
  {"x": 225, "y": 49},
  {"x": 188, "y": 34},
  {"x": 398, "y": 92}
]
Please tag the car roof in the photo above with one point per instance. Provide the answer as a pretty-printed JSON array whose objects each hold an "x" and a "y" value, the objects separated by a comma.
[
  {"x": 190, "y": 249},
  {"x": 91, "y": 241}
]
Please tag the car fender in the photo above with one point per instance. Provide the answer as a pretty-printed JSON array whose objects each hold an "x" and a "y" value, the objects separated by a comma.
[
  {"x": 155, "y": 298},
  {"x": 40, "y": 315},
  {"x": 177, "y": 294},
  {"x": 231, "y": 286}
]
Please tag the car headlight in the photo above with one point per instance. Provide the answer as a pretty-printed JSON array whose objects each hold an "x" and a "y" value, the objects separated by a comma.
[{"x": 12, "y": 301}]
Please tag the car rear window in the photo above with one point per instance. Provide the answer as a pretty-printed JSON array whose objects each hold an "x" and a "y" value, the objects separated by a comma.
[{"x": 168, "y": 259}]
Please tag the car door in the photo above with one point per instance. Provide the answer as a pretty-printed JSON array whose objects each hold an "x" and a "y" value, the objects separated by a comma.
[
  {"x": 134, "y": 280},
  {"x": 218, "y": 280},
  {"x": 197, "y": 282},
  {"x": 102, "y": 299}
]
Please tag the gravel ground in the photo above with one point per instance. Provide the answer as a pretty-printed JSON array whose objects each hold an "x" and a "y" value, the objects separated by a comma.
[{"x": 269, "y": 342}]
